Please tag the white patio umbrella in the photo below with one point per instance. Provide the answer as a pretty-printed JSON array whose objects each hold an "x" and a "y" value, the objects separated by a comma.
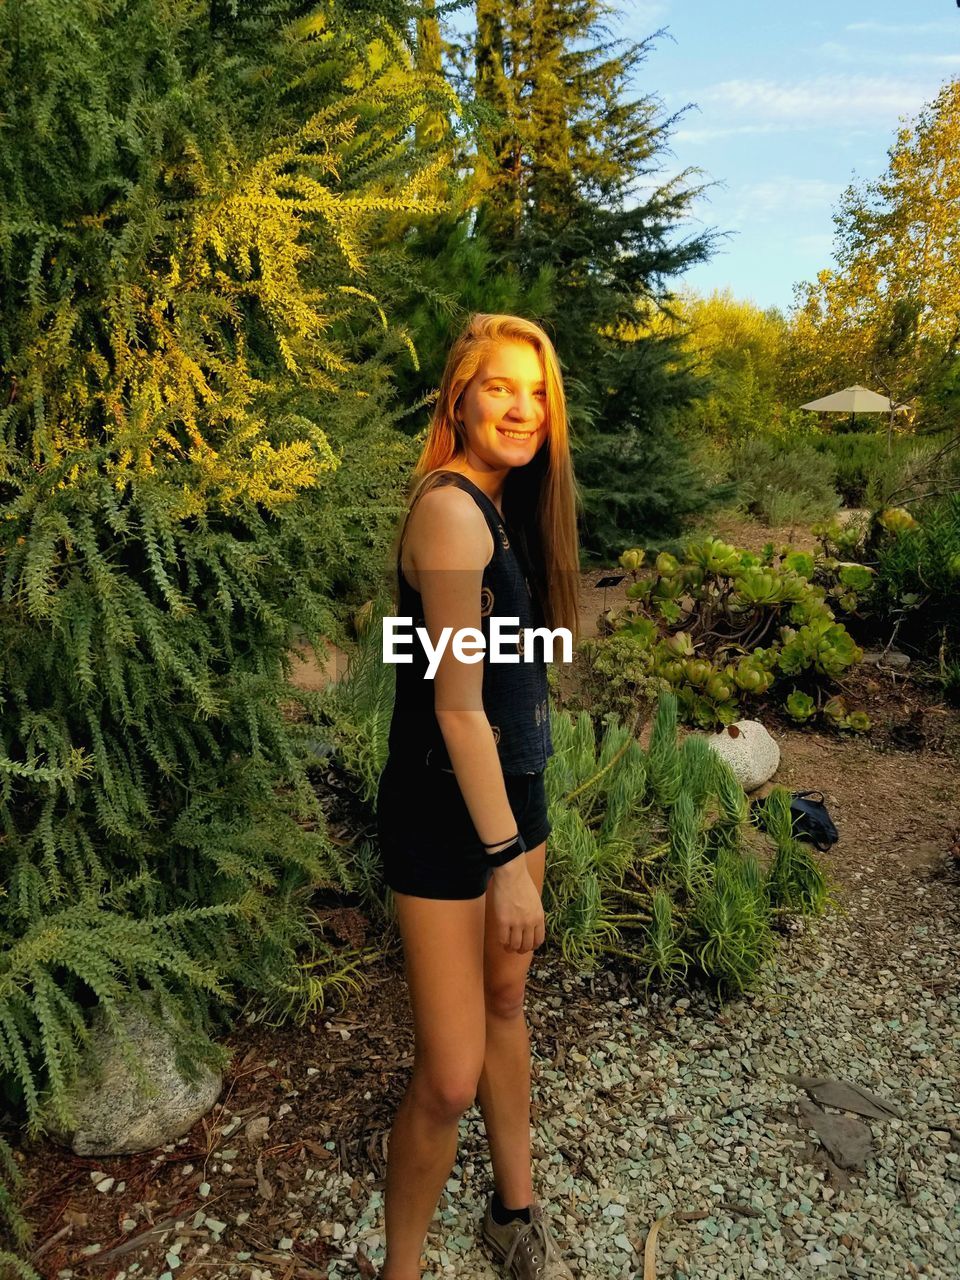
[
  {"x": 857, "y": 399},
  {"x": 852, "y": 400}
]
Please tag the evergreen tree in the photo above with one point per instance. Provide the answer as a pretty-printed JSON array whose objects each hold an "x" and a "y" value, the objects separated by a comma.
[
  {"x": 567, "y": 193},
  {"x": 438, "y": 268},
  {"x": 188, "y": 194}
]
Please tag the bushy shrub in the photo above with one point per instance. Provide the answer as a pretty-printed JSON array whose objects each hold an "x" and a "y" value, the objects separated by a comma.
[
  {"x": 913, "y": 556},
  {"x": 782, "y": 483},
  {"x": 185, "y": 196},
  {"x": 922, "y": 559},
  {"x": 918, "y": 576},
  {"x": 868, "y": 470}
]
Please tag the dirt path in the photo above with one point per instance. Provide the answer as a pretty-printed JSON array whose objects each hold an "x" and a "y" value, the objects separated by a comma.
[{"x": 898, "y": 813}]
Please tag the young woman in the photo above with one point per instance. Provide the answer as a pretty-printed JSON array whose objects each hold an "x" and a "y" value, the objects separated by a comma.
[{"x": 462, "y": 820}]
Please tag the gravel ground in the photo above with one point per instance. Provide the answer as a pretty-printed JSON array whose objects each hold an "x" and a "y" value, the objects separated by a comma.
[
  {"x": 640, "y": 1107},
  {"x": 683, "y": 1108}
]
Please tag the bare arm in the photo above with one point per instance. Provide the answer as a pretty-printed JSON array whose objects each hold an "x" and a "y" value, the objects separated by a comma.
[{"x": 450, "y": 545}]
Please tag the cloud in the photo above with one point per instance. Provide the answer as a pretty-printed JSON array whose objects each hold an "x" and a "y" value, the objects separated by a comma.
[
  {"x": 711, "y": 133},
  {"x": 769, "y": 198},
  {"x": 904, "y": 28},
  {"x": 825, "y": 100},
  {"x": 852, "y": 56}
]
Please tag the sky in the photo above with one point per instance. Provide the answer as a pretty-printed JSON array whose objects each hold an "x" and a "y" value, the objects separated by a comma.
[{"x": 792, "y": 102}]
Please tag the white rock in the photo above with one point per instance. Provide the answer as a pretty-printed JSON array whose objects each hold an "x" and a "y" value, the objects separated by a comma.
[
  {"x": 749, "y": 750},
  {"x": 113, "y": 1111}
]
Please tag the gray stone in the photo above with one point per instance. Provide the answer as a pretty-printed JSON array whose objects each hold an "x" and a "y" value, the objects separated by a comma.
[
  {"x": 749, "y": 750},
  {"x": 886, "y": 658},
  {"x": 112, "y": 1113}
]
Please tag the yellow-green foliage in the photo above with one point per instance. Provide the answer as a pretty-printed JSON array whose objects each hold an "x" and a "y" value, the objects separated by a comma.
[
  {"x": 188, "y": 198},
  {"x": 889, "y": 305},
  {"x": 738, "y": 348}
]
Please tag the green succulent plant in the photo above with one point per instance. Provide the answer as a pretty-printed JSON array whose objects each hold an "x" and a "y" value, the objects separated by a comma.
[
  {"x": 858, "y": 577},
  {"x": 680, "y": 644},
  {"x": 799, "y": 562},
  {"x": 897, "y": 520},
  {"x": 632, "y": 559},
  {"x": 715, "y": 555},
  {"x": 824, "y": 645},
  {"x": 800, "y": 706},
  {"x": 718, "y": 625},
  {"x": 667, "y": 564}
]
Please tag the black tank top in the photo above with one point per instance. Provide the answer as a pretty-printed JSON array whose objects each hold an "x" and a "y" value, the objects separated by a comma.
[{"x": 514, "y": 694}]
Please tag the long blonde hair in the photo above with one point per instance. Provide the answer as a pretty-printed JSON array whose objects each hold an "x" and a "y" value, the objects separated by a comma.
[{"x": 541, "y": 499}]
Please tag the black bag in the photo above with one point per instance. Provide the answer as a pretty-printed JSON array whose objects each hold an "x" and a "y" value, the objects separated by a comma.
[{"x": 811, "y": 821}]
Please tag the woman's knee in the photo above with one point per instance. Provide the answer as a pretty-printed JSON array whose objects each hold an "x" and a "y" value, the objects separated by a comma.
[
  {"x": 446, "y": 1095},
  {"x": 504, "y": 996}
]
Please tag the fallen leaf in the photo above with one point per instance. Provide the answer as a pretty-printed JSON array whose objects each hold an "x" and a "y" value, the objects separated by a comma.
[
  {"x": 848, "y": 1141},
  {"x": 263, "y": 1186},
  {"x": 650, "y": 1248},
  {"x": 255, "y": 1130},
  {"x": 317, "y": 1149},
  {"x": 846, "y": 1096},
  {"x": 366, "y": 1268}
]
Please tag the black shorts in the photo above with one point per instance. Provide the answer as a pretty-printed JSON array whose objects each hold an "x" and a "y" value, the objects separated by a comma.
[{"x": 428, "y": 844}]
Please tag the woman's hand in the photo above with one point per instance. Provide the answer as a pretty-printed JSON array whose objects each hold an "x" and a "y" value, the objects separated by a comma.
[{"x": 517, "y": 908}]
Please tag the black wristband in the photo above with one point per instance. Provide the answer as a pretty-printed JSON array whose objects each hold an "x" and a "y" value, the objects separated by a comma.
[
  {"x": 508, "y": 854},
  {"x": 492, "y": 844}
]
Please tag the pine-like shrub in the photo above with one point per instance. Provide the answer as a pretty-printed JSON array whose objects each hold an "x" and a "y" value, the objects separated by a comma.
[
  {"x": 186, "y": 192},
  {"x": 783, "y": 483},
  {"x": 653, "y": 860},
  {"x": 12, "y": 1222},
  {"x": 354, "y": 713}
]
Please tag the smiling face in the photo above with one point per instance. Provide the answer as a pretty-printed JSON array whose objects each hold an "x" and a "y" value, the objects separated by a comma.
[{"x": 504, "y": 408}]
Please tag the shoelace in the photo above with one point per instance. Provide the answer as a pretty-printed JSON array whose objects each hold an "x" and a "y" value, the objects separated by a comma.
[{"x": 534, "y": 1232}]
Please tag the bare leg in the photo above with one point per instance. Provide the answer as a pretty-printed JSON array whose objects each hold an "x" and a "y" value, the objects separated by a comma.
[
  {"x": 504, "y": 1088},
  {"x": 443, "y": 951}
]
